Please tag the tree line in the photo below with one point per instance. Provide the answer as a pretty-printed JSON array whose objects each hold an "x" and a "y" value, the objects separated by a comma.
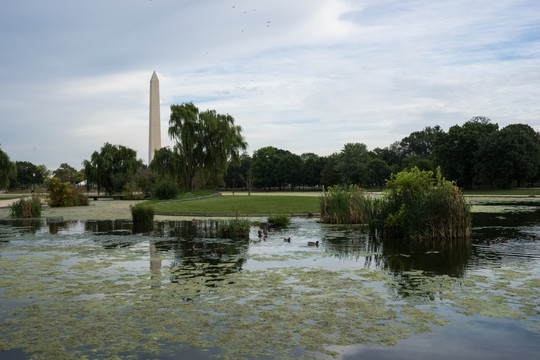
[{"x": 209, "y": 152}]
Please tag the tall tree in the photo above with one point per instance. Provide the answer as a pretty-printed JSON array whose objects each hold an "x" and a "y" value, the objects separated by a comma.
[
  {"x": 312, "y": 165},
  {"x": 205, "y": 141},
  {"x": 457, "y": 152},
  {"x": 111, "y": 168},
  {"x": 7, "y": 169},
  {"x": 28, "y": 175},
  {"x": 510, "y": 155},
  {"x": 68, "y": 174},
  {"x": 420, "y": 143},
  {"x": 352, "y": 164}
]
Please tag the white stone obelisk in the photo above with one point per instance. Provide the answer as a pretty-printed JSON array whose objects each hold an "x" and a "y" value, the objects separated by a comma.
[{"x": 155, "y": 130}]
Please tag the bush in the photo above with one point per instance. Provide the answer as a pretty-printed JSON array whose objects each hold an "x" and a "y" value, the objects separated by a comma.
[
  {"x": 236, "y": 229},
  {"x": 278, "y": 221},
  {"x": 132, "y": 192},
  {"x": 27, "y": 208},
  {"x": 166, "y": 189},
  {"x": 142, "y": 215},
  {"x": 62, "y": 194},
  {"x": 423, "y": 208}
]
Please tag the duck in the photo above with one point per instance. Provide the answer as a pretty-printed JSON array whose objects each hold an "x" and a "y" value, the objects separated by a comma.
[
  {"x": 313, "y": 243},
  {"x": 287, "y": 239}
]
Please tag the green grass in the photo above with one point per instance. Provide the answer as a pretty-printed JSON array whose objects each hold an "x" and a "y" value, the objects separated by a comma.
[{"x": 242, "y": 205}]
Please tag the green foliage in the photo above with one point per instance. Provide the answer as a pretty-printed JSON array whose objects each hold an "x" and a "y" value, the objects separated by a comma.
[
  {"x": 111, "y": 168},
  {"x": 68, "y": 174},
  {"x": 205, "y": 141},
  {"x": 27, "y": 207},
  {"x": 8, "y": 169},
  {"x": 62, "y": 194},
  {"x": 278, "y": 221},
  {"x": 422, "y": 208},
  {"x": 165, "y": 189},
  {"x": 235, "y": 229},
  {"x": 143, "y": 217},
  {"x": 28, "y": 175},
  {"x": 132, "y": 192},
  {"x": 347, "y": 205}
]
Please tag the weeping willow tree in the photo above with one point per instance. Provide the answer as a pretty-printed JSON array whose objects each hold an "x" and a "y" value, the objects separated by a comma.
[{"x": 205, "y": 142}]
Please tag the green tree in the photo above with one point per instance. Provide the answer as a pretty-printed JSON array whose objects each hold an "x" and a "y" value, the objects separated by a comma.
[
  {"x": 238, "y": 174},
  {"x": 329, "y": 175},
  {"x": 68, "y": 174},
  {"x": 28, "y": 175},
  {"x": 352, "y": 164},
  {"x": 205, "y": 141},
  {"x": 7, "y": 169},
  {"x": 510, "y": 155},
  {"x": 288, "y": 169},
  {"x": 111, "y": 168},
  {"x": 420, "y": 143},
  {"x": 379, "y": 171},
  {"x": 457, "y": 152},
  {"x": 312, "y": 166},
  {"x": 264, "y": 166}
]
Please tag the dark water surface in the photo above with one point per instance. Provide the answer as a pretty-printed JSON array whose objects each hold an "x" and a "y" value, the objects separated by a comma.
[{"x": 93, "y": 289}]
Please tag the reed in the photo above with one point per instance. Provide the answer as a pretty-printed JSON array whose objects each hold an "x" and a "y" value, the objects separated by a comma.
[
  {"x": 143, "y": 218},
  {"x": 424, "y": 208},
  {"x": 348, "y": 205},
  {"x": 278, "y": 221},
  {"x": 236, "y": 229},
  {"x": 27, "y": 208}
]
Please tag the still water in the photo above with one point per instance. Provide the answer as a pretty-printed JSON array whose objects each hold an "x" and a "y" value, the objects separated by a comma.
[{"x": 92, "y": 289}]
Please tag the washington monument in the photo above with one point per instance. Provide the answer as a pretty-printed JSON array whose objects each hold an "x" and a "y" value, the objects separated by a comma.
[{"x": 155, "y": 130}]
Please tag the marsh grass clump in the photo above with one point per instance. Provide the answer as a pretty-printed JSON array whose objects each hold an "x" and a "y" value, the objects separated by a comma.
[
  {"x": 424, "y": 208},
  {"x": 143, "y": 217},
  {"x": 235, "y": 229},
  {"x": 27, "y": 208},
  {"x": 278, "y": 221},
  {"x": 348, "y": 205}
]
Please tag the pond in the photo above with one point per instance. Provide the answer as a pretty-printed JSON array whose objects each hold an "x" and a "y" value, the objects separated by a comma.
[{"x": 92, "y": 289}]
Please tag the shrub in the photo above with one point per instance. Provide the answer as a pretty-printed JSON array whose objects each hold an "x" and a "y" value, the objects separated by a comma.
[
  {"x": 347, "y": 205},
  {"x": 423, "y": 208},
  {"x": 236, "y": 229},
  {"x": 27, "y": 208},
  {"x": 165, "y": 189},
  {"x": 278, "y": 221},
  {"x": 62, "y": 194},
  {"x": 132, "y": 192},
  {"x": 142, "y": 215}
]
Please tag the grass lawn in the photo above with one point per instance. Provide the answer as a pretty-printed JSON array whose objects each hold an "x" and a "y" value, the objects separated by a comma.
[{"x": 242, "y": 205}]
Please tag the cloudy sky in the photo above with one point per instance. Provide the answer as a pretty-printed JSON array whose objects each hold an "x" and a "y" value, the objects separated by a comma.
[{"x": 302, "y": 75}]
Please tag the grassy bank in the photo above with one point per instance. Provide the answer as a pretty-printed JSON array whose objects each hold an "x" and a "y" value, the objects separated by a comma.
[{"x": 242, "y": 205}]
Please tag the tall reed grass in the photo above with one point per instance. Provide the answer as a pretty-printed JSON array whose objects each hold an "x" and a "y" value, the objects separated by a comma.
[
  {"x": 27, "y": 208},
  {"x": 143, "y": 218},
  {"x": 348, "y": 205},
  {"x": 417, "y": 206},
  {"x": 235, "y": 229}
]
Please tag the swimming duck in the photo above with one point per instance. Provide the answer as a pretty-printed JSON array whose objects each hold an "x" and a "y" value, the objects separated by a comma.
[
  {"x": 313, "y": 243},
  {"x": 287, "y": 240}
]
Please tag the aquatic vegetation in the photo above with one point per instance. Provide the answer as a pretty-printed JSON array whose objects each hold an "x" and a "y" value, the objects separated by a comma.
[
  {"x": 424, "y": 209},
  {"x": 27, "y": 207},
  {"x": 278, "y": 221},
  {"x": 143, "y": 217},
  {"x": 235, "y": 229},
  {"x": 347, "y": 205}
]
